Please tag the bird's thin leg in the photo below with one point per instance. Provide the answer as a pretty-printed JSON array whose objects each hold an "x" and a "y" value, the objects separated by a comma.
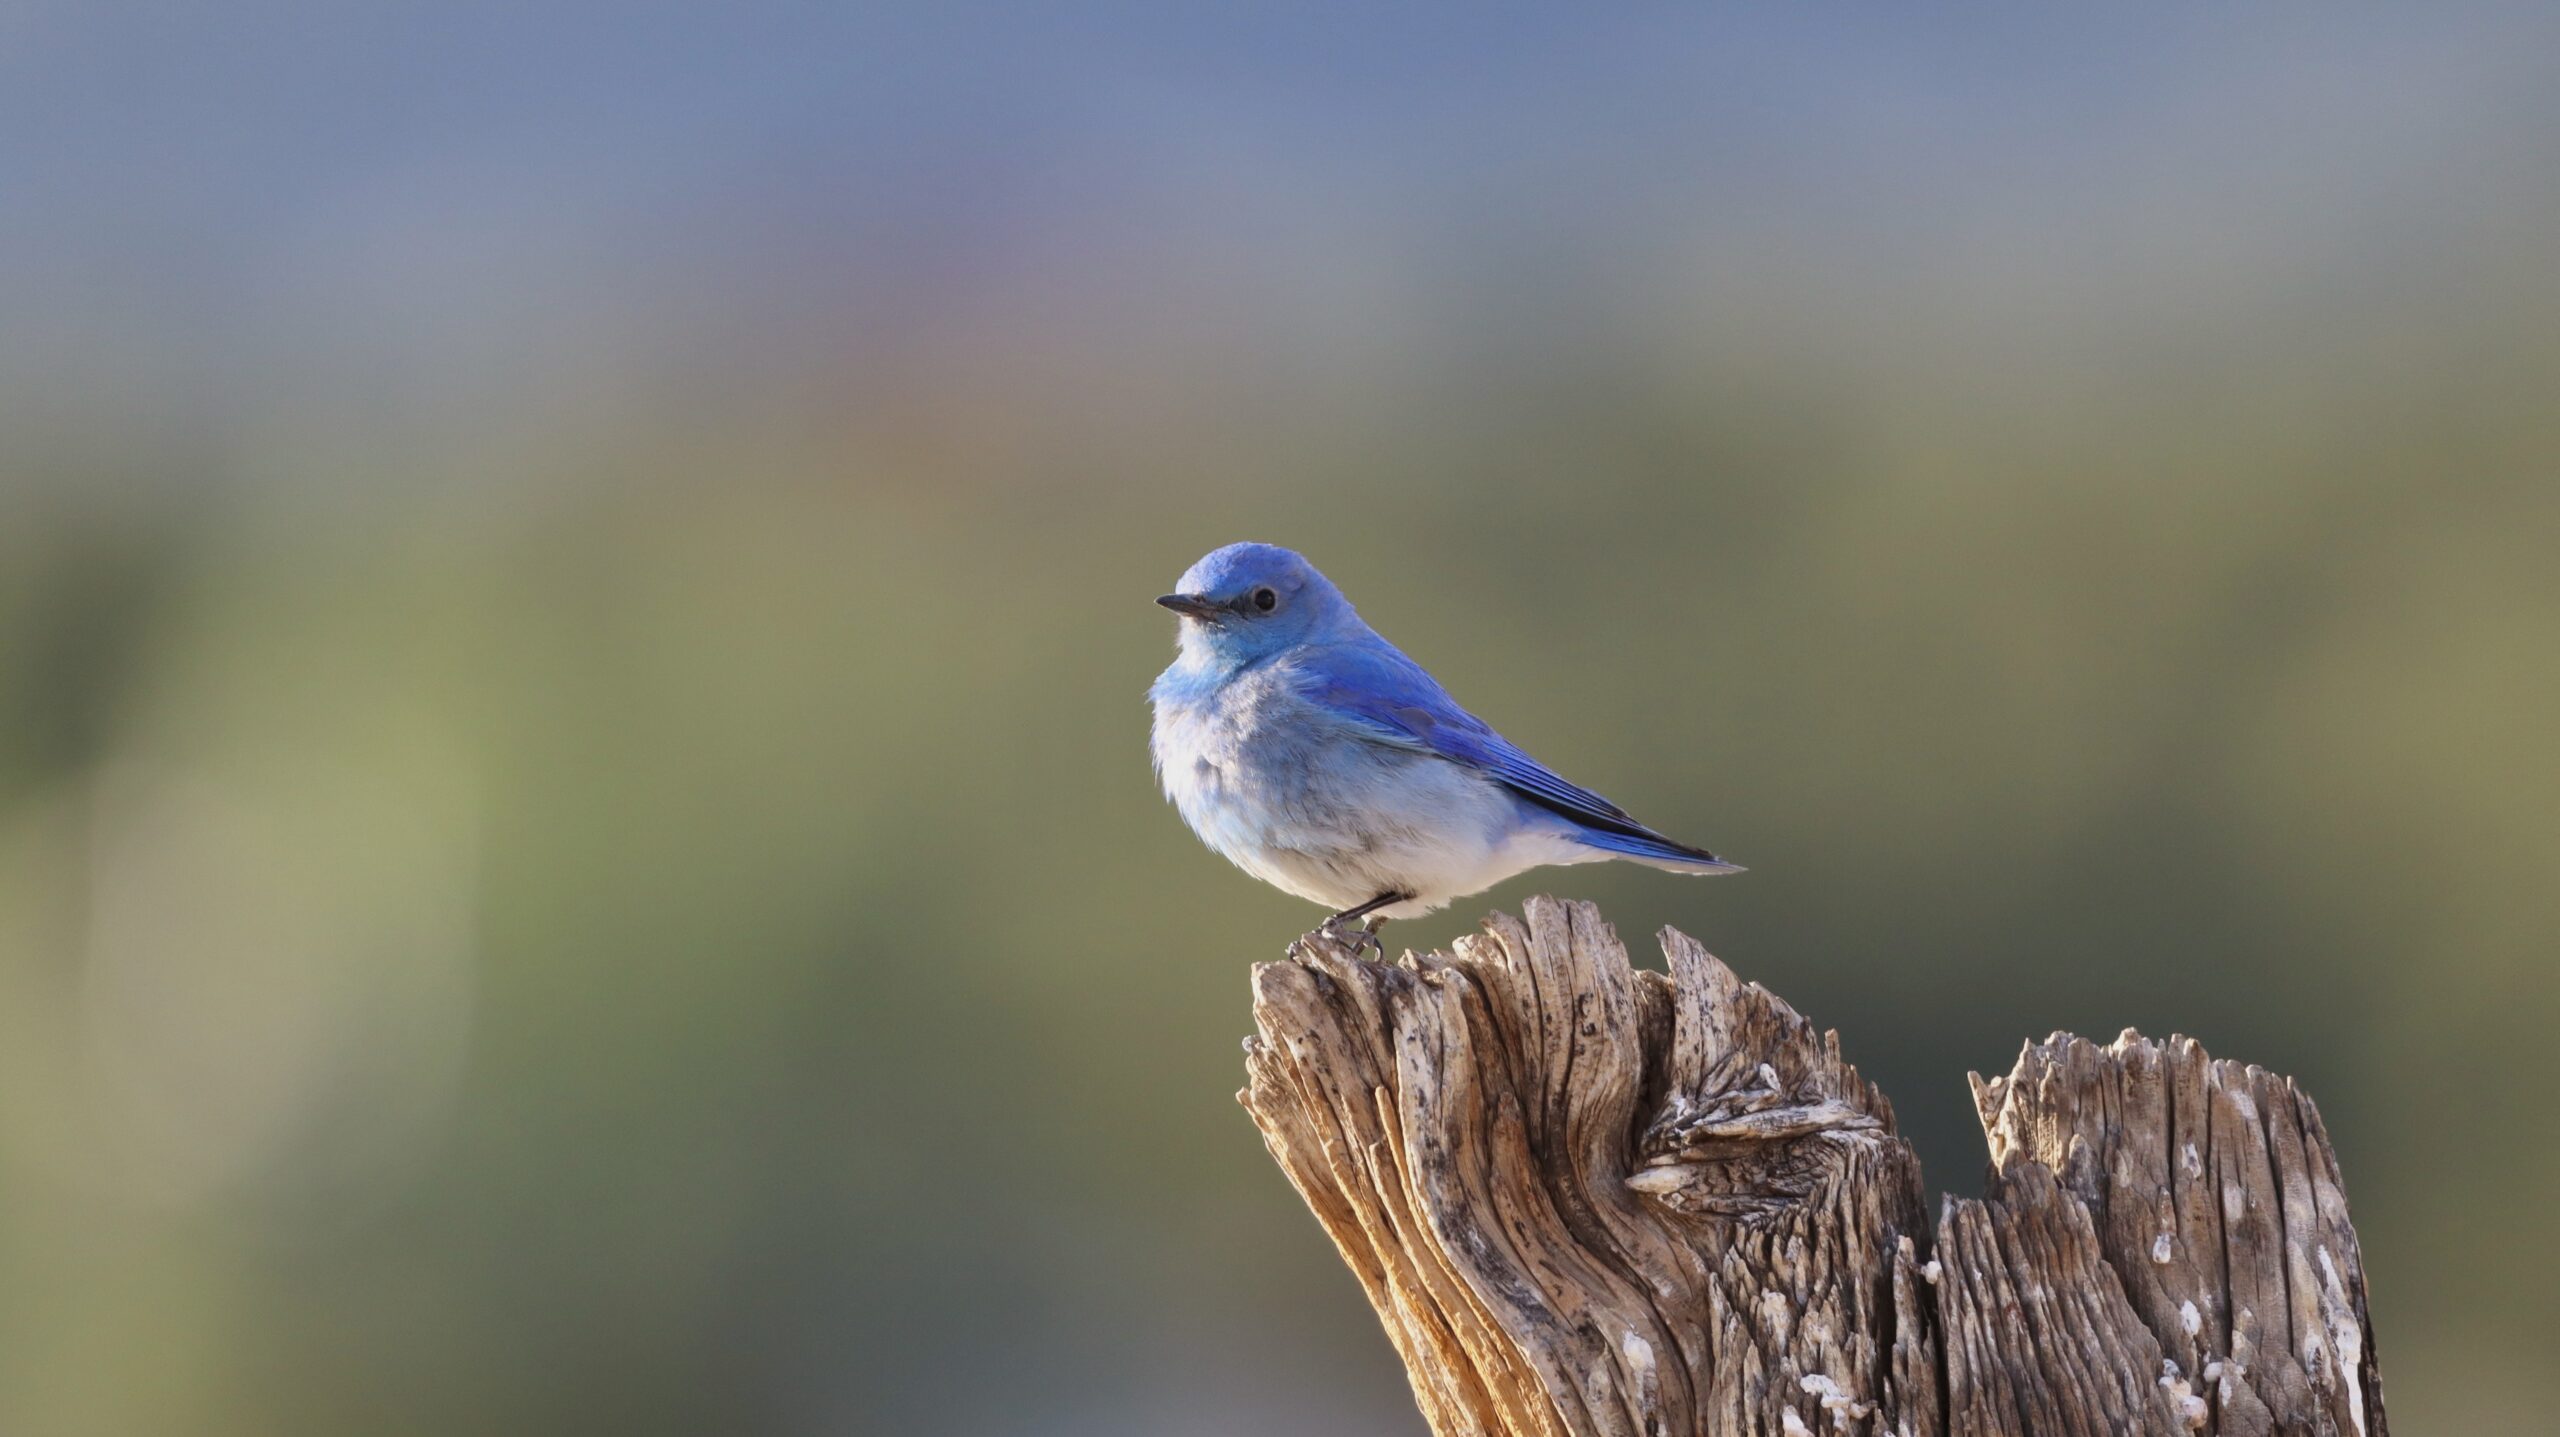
[
  {"x": 1345, "y": 927},
  {"x": 1365, "y": 909}
]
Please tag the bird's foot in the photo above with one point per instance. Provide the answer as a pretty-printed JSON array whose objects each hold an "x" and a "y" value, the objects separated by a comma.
[
  {"x": 1344, "y": 929},
  {"x": 1348, "y": 934},
  {"x": 1355, "y": 935}
]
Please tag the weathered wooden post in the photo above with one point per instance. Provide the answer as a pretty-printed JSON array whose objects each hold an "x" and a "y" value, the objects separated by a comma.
[{"x": 1586, "y": 1199}]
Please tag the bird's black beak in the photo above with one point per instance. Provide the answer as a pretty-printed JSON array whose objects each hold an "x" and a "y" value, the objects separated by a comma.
[{"x": 1193, "y": 606}]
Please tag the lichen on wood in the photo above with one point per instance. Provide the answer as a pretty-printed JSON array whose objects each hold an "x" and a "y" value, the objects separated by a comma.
[{"x": 1588, "y": 1199}]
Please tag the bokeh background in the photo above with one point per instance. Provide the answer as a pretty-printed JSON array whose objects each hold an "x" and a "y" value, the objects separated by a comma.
[{"x": 576, "y": 849}]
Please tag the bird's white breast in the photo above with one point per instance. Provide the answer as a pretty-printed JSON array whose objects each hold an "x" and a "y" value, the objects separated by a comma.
[{"x": 1295, "y": 796}]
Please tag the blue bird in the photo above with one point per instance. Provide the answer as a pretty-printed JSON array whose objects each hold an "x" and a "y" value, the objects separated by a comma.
[{"x": 1318, "y": 758}]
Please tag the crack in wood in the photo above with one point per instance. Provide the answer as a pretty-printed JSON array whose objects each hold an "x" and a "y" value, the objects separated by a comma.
[{"x": 1585, "y": 1199}]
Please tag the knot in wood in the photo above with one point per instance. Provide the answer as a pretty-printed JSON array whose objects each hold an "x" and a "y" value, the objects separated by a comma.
[{"x": 1588, "y": 1201}]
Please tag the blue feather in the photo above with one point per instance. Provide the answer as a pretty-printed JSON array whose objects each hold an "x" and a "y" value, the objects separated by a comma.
[
  {"x": 1318, "y": 758},
  {"x": 1403, "y": 705},
  {"x": 1654, "y": 848}
]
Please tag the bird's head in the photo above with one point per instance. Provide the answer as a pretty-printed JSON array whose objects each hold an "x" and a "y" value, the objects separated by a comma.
[{"x": 1246, "y": 601}]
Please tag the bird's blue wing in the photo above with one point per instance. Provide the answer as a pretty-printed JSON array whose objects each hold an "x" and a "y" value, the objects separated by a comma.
[{"x": 1403, "y": 705}]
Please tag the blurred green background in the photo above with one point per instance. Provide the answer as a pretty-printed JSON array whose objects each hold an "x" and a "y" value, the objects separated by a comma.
[{"x": 576, "y": 850}]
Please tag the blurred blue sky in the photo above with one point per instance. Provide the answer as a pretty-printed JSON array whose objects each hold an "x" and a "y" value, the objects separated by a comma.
[{"x": 231, "y": 205}]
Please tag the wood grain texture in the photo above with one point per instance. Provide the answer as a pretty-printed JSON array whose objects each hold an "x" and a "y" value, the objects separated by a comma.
[
  {"x": 2213, "y": 1196},
  {"x": 1587, "y": 1199}
]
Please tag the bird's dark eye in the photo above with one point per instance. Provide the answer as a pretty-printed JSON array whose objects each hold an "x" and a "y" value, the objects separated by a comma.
[{"x": 1265, "y": 600}]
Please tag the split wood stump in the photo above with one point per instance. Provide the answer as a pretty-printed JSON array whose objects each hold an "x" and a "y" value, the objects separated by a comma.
[{"x": 1588, "y": 1200}]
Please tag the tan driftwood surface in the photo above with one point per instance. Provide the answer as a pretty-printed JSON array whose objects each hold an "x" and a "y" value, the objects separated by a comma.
[{"x": 1589, "y": 1199}]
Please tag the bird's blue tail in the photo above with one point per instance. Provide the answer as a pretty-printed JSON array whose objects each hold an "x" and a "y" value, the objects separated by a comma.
[{"x": 1654, "y": 849}]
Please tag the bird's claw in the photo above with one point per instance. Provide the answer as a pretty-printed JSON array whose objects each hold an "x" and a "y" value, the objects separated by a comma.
[{"x": 1355, "y": 936}]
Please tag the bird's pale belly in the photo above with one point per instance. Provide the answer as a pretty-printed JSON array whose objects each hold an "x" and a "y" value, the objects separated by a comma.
[
  {"x": 1340, "y": 824},
  {"x": 1434, "y": 875}
]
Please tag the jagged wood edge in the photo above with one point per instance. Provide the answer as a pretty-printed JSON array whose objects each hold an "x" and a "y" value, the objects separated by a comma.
[
  {"x": 1524, "y": 1080},
  {"x": 1377, "y": 1084},
  {"x": 2215, "y": 1196}
]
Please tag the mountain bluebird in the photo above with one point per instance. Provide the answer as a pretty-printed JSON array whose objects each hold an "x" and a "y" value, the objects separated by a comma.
[{"x": 1319, "y": 759}]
